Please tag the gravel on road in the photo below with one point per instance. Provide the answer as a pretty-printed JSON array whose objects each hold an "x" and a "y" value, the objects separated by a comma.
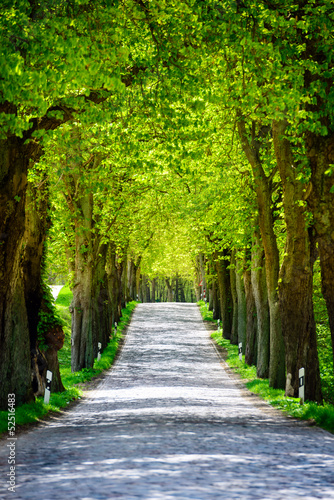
[{"x": 169, "y": 422}]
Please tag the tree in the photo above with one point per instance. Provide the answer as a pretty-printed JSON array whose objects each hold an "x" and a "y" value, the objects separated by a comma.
[{"x": 43, "y": 68}]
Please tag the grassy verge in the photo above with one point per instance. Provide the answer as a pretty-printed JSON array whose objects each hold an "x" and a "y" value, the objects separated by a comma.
[
  {"x": 321, "y": 415},
  {"x": 33, "y": 412}
]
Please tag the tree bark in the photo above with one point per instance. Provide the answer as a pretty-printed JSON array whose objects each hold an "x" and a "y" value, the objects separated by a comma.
[
  {"x": 235, "y": 317},
  {"x": 242, "y": 307},
  {"x": 15, "y": 369},
  {"x": 258, "y": 277},
  {"x": 263, "y": 188},
  {"x": 296, "y": 278},
  {"x": 36, "y": 298},
  {"x": 251, "y": 318},
  {"x": 222, "y": 261},
  {"x": 177, "y": 288},
  {"x": 182, "y": 294},
  {"x": 169, "y": 284},
  {"x": 153, "y": 290},
  {"x": 320, "y": 152},
  {"x": 103, "y": 315}
]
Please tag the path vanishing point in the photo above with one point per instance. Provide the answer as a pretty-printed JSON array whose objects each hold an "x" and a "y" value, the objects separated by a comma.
[{"x": 169, "y": 422}]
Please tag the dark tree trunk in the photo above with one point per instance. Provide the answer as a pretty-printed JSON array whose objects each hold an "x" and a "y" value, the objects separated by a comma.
[
  {"x": 182, "y": 294},
  {"x": 113, "y": 283},
  {"x": 15, "y": 364},
  {"x": 203, "y": 275},
  {"x": 37, "y": 226},
  {"x": 153, "y": 290},
  {"x": 233, "y": 280},
  {"x": 147, "y": 286},
  {"x": 83, "y": 337},
  {"x": 131, "y": 281},
  {"x": 124, "y": 279},
  {"x": 263, "y": 187},
  {"x": 259, "y": 286},
  {"x": 215, "y": 300},
  {"x": 177, "y": 288},
  {"x": 320, "y": 152},
  {"x": 103, "y": 316},
  {"x": 242, "y": 306},
  {"x": 296, "y": 279},
  {"x": 169, "y": 284},
  {"x": 251, "y": 314},
  {"x": 222, "y": 260},
  {"x": 198, "y": 279}
]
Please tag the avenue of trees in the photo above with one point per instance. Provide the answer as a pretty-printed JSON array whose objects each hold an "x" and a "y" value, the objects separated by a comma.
[{"x": 145, "y": 146}]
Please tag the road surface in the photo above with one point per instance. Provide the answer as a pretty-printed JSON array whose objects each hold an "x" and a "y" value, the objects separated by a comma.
[{"x": 168, "y": 422}]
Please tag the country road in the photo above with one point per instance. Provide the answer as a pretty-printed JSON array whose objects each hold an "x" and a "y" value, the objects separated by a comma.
[{"x": 169, "y": 422}]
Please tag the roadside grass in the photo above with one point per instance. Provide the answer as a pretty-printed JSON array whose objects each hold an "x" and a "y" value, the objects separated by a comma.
[
  {"x": 33, "y": 412},
  {"x": 321, "y": 415}
]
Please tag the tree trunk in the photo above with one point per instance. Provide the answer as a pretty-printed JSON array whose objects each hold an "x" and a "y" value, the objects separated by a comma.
[
  {"x": 169, "y": 290},
  {"x": 233, "y": 281},
  {"x": 153, "y": 290},
  {"x": 176, "y": 288},
  {"x": 263, "y": 188},
  {"x": 103, "y": 309},
  {"x": 113, "y": 283},
  {"x": 251, "y": 315},
  {"x": 296, "y": 278},
  {"x": 258, "y": 277},
  {"x": 131, "y": 281},
  {"x": 242, "y": 307},
  {"x": 182, "y": 294},
  {"x": 124, "y": 278},
  {"x": 320, "y": 152},
  {"x": 15, "y": 370},
  {"x": 215, "y": 300},
  {"x": 83, "y": 338},
  {"x": 197, "y": 279},
  {"x": 36, "y": 297},
  {"x": 222, "y": 261},
  {"x": 203, "y": 275}
]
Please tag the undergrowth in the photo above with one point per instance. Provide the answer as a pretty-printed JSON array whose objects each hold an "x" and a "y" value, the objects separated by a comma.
[{"x": 321, "y": 415}]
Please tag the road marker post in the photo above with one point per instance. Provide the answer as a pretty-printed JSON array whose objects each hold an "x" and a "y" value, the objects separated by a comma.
[
  {"x": 240, "y": 351},
  {"x": 47, "y": 391},
  {"x": 99, "y": 346},
  {"x": 302, "y": 385}
]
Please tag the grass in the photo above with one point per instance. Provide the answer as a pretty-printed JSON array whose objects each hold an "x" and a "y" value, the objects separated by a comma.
[
  {"x": 321, "y": 415},
  {"x": 33, "y": 412}
]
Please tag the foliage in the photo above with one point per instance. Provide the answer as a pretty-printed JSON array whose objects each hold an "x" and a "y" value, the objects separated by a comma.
[
  {"x": 326, "y": 362},
  {"x": 69, "y": 379},
  {"x": 48, "y": 317},
  {"x": 204, "y": 309},
  {"x": 322, "y": 415}
]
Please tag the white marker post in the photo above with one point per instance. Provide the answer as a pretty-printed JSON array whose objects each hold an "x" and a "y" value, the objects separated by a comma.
[
  {"x": 48, "y": 387},
  {"x": 99, "y": 345},
  {"x": 240, "y": 351},
  {"x": 218, "y": 321},
  {"x": 115, "y": 328},
  {"x": 302, "y": 385}
]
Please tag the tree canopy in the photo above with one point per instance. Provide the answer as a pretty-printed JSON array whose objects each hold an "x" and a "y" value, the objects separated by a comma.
[{"x": 167, "y": 141}]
